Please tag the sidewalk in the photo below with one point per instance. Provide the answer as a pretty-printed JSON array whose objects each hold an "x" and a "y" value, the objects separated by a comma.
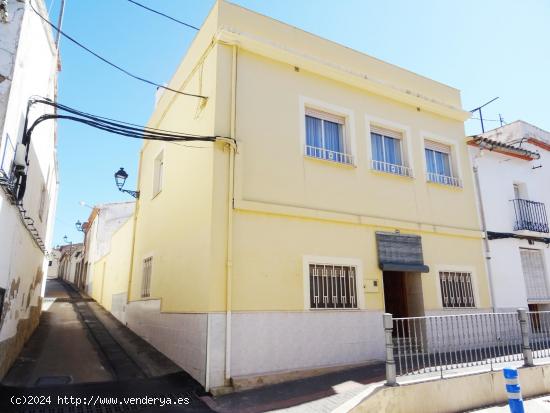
[
  {"x": 315, "y": 394},
  {"x": 536, "y": 405}
]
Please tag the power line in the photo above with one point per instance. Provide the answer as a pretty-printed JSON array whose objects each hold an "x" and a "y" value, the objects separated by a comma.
[
  {"x": 59, "y": 31},
  {"x": 164, "y": 15}
]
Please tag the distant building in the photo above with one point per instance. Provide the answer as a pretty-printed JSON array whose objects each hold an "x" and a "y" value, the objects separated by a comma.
[
  {"x": 512, "y": 165},
  {"x": 349, "y": 192},
  {"x": 53, "y": 263},
  {"x": 71, "y": 262},
  {"x": 28, "y": 171},
  {"x": 104, "y": 221}
]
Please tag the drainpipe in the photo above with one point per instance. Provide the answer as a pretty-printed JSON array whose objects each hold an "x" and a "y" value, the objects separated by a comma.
[
  {"x": 229, "y": 270},
  {"x": 484, "y": 229}
]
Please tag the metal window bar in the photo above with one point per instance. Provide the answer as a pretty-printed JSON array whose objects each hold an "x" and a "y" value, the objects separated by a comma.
[
  {"x": 328, "y": 155},
  {"x": 443, "y": 179},
  {"x": 391, "y": 168},
  {"x": 530, "y": 216},
  {"x": 146, "y": 277},
  {"x": 442, "y": 343},
  {"x": 456, "y": 289},
  {"x": 332, "y": 286}
]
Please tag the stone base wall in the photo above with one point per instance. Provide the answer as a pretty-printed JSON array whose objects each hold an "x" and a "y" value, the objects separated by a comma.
[{"x": 10, "y": 348}]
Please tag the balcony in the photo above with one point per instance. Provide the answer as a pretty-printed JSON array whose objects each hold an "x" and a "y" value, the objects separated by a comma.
[{"x": 530, "y": 216}]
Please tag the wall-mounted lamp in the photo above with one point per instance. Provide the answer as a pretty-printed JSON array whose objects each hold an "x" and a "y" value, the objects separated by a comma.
[
  {"x": 120, "y": 178},
  {"x": 79, "y": 226}
]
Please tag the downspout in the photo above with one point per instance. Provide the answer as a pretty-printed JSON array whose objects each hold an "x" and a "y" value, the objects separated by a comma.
[
  {"x": 229, "y": 270},
  {"x": 484, "y": 229},
  {"x": 136, "y": 209}
]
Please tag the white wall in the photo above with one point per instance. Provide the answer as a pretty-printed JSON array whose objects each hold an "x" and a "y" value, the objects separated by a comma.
[
  {"x": 497, "y": 174},
  {"x": 28, "y": 65}
]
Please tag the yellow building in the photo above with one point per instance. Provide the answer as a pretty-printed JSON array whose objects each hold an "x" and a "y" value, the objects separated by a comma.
[{"x": 349, "y": 192}]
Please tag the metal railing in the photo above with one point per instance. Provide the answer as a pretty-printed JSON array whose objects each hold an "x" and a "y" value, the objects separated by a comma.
[
  {"x": 436, "y": 344},
  {"x": 443, "y": 179},
  {"x": 328, "y": 155},
  {"x": 391, "y": 168},
  {"x": 530, "y": 216}
]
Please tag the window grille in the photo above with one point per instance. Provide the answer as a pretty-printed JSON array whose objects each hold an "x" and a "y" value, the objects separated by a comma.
[
  {"x": 332, "y": 286},
  {"x": 146, "y": 277},
  {"x": 456, "y": 289},
  {"x": 532, "y": 262}
]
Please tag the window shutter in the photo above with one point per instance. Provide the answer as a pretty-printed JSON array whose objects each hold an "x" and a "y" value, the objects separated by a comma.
[
  {"x": 325, "y": 116},
  {"x": 386, "y": 132},
  {"x": 534, "y": 274},
  {"x": 436, "y": 146}
]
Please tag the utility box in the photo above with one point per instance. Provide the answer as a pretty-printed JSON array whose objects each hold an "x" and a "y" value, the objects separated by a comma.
[{"x": 372, "y": 285}]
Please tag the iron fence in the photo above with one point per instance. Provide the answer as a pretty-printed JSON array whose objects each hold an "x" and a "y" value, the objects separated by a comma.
[{"x": 436, "y": 344}]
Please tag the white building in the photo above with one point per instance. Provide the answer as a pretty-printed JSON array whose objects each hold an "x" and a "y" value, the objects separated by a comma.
[
  {"x": 513, "y": 174},
  {"x": 71, "y": 262},
  {"x": 53, "y": 264},
  {"x": 103, "y": 222},
  {"x": 28, "y": 171}
]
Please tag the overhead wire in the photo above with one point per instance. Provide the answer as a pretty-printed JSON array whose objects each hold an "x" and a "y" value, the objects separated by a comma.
[
  {"x": 108, "y": 62},
  {"x": 164, "y": 15}
]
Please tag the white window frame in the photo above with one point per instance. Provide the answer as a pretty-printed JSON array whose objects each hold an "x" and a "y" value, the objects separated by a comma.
[
  {"x": 406, "y": 142},
  {"x": 307, "y": 260},
  {"x": 454, "y": 157},
  {"x": 158, "y": 173},
  {"x": 348, "y": 129},
  {"x": 456, "y": 268}
]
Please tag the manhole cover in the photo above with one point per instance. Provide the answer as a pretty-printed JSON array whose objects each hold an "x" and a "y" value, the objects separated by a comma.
[{"x": 53, "y": 380}]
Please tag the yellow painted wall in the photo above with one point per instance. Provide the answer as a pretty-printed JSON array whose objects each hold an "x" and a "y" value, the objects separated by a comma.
[{"x": 286, "y": 204}]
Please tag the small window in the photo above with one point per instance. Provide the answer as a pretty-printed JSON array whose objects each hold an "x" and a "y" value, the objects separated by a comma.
[
  {"x": 158, "y": 174},
  {"x": 146, "y": 277},
  {"x": 439, "y": 165},
  {"x": 332, "y": 286},
  {"x": 387, "y": 152},
  {"x": 456, "y": 289},
  {"x": 325, "y": 137}
]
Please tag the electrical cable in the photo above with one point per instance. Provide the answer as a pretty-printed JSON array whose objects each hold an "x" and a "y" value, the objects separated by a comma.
[
  {"x": 164, "y": 15},
  {"x": 109, "y": 62}
]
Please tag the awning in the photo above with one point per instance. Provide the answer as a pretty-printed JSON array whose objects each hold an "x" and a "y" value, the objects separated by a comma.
[
  {"x": 404, "y": 267},
  {"x": 400, "y": 252}
]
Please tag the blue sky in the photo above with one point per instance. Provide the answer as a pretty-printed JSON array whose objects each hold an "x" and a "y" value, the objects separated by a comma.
[{"x": 484, "y": 48}]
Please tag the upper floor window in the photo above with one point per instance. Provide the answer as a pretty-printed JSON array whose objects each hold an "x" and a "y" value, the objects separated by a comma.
[
  {"x": 387, "y": 151},
  {"x": 325, "y": 137},
  {"x": 439, "y": 166},
  {"x": 158, "y": 173}
]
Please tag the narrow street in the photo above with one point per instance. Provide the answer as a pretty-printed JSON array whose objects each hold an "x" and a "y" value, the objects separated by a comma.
[{"x": 80, "y": 350}]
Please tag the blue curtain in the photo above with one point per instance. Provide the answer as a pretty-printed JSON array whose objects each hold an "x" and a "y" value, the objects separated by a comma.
[
  {"x": 313, "y": 132},
  {"x": 333, "y": 136},
  {"x": 393, "y": 150},
  {"x": 377, "y": 148},
  {"x": 430, "y": 161}
]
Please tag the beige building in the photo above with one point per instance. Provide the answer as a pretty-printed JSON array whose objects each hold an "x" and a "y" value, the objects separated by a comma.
[{"x": 348, "y": 193}]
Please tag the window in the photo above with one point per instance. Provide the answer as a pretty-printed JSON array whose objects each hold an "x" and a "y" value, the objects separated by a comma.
[
  {"x": 158, "y": 174},
  {"x": 534, "y": 273},
  {"x": 332, "y": 286},
  {"x": 42, "y": 205},
  {"x": 387, "y": 151},
  {"x": 146, "y": 277},
  {"x": 325, "y": 137},
  {"x": 438, "y": 164},
  {"x": 456, "y": 289}
]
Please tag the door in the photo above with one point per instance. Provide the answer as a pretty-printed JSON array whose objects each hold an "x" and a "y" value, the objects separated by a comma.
[{"x": 395, "y": 294}]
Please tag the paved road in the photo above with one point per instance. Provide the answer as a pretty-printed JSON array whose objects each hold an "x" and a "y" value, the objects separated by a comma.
[{"x": 79, "y": 350}]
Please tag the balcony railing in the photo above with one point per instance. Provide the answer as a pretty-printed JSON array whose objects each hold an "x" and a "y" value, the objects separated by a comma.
[
  {"x": 391, "y": 168},
  {"x": 328, "y": 155},
  {"x": 530, "y": 216},
  {"x": 443, "y": 179}
]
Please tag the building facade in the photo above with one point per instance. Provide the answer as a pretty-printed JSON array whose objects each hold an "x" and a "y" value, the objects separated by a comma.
[
  {"x": 71, "y": 263},
  {"x": 28, "y": 171},
  {"x": 513, "y": 187},
  {"x": 348, "y": 192}
]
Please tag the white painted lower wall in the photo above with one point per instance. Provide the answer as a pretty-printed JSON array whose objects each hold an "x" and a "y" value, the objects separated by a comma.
[
  {"x": 262, "y": 342},
  {"x": 270, "y": 342},
  {"x": 118, "y": 306}
]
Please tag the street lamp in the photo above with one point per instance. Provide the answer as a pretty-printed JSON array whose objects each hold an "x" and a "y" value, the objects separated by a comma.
[
  {"x": 79, "y": 226},
  {"x": 120, "y": 178}
]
